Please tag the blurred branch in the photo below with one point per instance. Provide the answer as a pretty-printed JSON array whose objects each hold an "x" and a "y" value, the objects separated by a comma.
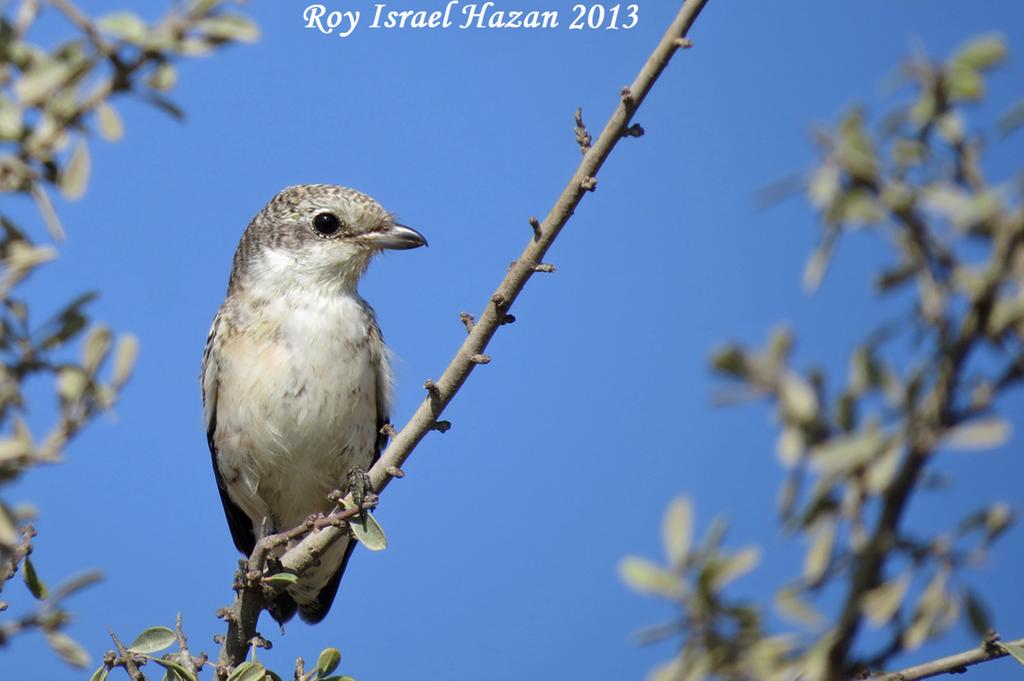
[
  {"x": 954, "y": 664},
  {"x": 243, "y": 614},
  {"x": 923, "y": 431}
]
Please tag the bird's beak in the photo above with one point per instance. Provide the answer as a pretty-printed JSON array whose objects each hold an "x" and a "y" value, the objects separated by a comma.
[{"x": 397, "y": 238}]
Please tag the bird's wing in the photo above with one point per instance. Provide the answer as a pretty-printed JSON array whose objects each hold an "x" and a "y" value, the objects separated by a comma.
[{"x": 238, "y": 522}]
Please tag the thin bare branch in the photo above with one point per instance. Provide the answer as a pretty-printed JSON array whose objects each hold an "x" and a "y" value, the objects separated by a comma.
[{"x": 953, "y": 664}]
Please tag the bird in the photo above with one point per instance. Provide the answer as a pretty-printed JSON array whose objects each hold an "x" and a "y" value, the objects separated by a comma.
[{"x": 296, "y": 379}]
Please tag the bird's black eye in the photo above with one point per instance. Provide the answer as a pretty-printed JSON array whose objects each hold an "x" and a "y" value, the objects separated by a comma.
[{"x": 327, "y": 224}]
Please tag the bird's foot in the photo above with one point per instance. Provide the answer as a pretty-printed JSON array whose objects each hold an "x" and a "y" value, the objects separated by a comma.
[{"x": 359, "y": 486}]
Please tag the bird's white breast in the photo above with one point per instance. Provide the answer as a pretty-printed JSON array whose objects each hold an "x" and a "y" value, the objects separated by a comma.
[{"x": 297, "y": 404}]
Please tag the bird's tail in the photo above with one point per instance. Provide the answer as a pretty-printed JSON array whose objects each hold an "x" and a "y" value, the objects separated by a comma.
[
  {"x": 314, "y": 603},
  {"x": 283, "y": 608}
]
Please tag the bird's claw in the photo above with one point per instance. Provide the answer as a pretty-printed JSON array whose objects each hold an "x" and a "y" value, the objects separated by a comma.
[{"x": 359, "y": 486}]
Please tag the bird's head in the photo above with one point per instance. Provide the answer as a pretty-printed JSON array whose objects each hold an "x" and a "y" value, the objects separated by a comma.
[{"x": 318, "y": 235}]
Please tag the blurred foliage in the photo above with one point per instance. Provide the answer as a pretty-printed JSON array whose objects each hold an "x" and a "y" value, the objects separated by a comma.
[
  {"x": 53, "y": 100},
  {"x": 858, "y": 449}
]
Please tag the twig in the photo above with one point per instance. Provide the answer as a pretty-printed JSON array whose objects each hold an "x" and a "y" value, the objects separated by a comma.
[
  {"x": 24, "y": 548},
  {"x": 583, "y": 137},
  {"x": 125, "y": 659},
  {"x": 514, "y": 282},
  {"x": 183, "y": 652},
  {"x": 83, "y": 24},
  {"x": 954, "y": 664},
  {"x": 253, "y": 594}
]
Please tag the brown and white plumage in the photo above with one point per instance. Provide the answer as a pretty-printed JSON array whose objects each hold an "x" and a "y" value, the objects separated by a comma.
[{"x": 295, "y": 377}]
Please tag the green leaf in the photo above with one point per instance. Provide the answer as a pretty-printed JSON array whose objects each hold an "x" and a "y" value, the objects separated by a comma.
[
  {"x": 668, "y": 671},
  {"x": 882, "y": 602},
  {"x": 1015, "y": 650},
  {"x": 100, "y": 674},
  {"x": 74, "y": 178},
  {"x": 855, "y": 207},
  {"x": 856, "y": 151},
  {"x": 964, "y": 83},
  {"x": 32, "y": 581},
  {"x": 789, "y": 446},
  {"x": 798, "y": 398},
  {"x": 48, "y": 212},
  {"x": 823, "y": 187},
  {"x": 677, "y": 530},
  {"x": 164, "y": 77},
  {"x": 328, "y": 661},
  {"x": 248, "y": 671},
  {"x": 153, "y": 640},
  {"x": 40, "y": 80},
  {"x": 847, "y": 452},
  {"x": 982, "y": 52},
  {"x": 907, "y": 152},
  {"x": 95, "y": 349},
  {"x": 928, "y": 610},
  {"x": 8, "y": 528},
  {"x": 13, "y": 448},
  {"x": 737, "y": 565},
  {"x": 337, "y": 678},
  {"x": 818, "y": 557},
  {"x": 731, "y": 361},
  {"x": 200, "y": 8},
  {"x": 644, "y": 576},
  {"x": 368, "y": 531},
  {"x": 126, "y": 25},
  {"x": 924, "y": 109},
  {"x": 124, "y": 358},
  {"x": 240, "y": 669},
  {"x": 282, "y": 578},
  {"x": 791, "y": 606},
  {"x": 977, "y": 613},
  {"x": 71, "y": 384},
  {"x": 111, "y": 128},
  {"x": 23, "y": 258},
  {"x": 230, "y": 27},
  {"x": 165, "y": 105},
  {"x": 10, "y": 118},
  {"x": 817, "y": 264},
  {"x": 1012, "y": 119},
  {"x": 172, "y": 666},
  {"x": 882, "y": 470},
  {"x": 981, "y": 434},
  {"x": 67, "y": 649},
  {"x": 951, "y": 127}
]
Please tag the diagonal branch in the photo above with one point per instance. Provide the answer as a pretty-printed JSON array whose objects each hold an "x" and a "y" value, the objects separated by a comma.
[{"x": 441, "y": 392}]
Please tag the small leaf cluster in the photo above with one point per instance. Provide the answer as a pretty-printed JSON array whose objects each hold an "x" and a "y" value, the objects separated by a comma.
[
  {"x": 51, "y": 615},
  {"x": 53, "y": 100},
  {"x": 182, "y": 665},
  {"x": 723, "y": 637}
]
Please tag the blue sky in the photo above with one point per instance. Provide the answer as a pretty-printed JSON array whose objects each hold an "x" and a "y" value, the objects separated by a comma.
[{"x": 596, "y": 410}]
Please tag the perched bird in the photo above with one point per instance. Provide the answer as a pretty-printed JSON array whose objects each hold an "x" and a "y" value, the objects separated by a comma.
[{"x": 295, "y": 376}]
